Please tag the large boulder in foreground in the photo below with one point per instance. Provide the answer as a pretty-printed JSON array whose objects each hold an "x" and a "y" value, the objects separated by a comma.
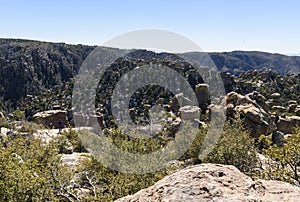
[
  {"x": 209, "y": 182},
  {"x": 50, "y": 118}
]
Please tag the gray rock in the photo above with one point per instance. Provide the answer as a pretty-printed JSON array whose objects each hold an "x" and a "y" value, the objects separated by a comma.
[
  {"x": 210, "y": 182},
  {"x": 202, "y": 95},
  {"x": 278, "y": 138},
  {"x": 50, "y": 118},
  {"x": 275, "y": 95},
  {"x": 178, "y": 101},
  {"x": 292, "y": 102},
  {"x": 288, "y": 124},
  {"x": 256, "y": 119},
  {"x": 292, "y": 108},
  {"x": 260, "y": 100},
  {"x": 190, "y": 112},
  {"x": 279, "y": 109},
  {"x": 297, "y": 111}
]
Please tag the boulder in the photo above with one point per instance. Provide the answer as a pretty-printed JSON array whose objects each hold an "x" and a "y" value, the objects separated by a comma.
[
  {"x": 251, "y": 112},
  {"x": 278, "y": 138},
  {"x": 297, "y": 111},
  {"x": 292, "y": 108},
  {"x": 256, "y": 118},
  {"x": 275, "y": 96},
  {"x": 228, "y": 81},
  {"x": 178, "y": 101},
  {"x": 202, "y": 95},
  {"x": 190, "y": 113},
  {"x": 174, "y": 126},
  {"x": 288, "y": 124},
  {"x": 292, "y": 102},
  {"x": 210, "y": 182},
  {"x": 279, "y": 109},
  {"x": 50, "y": 118},
  {"x": 260, "y": 100}
]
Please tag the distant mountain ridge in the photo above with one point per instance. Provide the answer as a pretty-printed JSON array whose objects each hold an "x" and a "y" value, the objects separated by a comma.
[
  {"x": 237, "y": 62},
  {"x": 30, "y": 67}
]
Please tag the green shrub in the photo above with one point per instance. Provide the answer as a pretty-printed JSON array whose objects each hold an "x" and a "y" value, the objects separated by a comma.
[
  {"x": 71, "y": 136},
  {"x": 18, "y": 115},
  {"x": 283, "y": 162},
  {"x": 235, "y": 147},
  {"x": 108, "y": 185},
  {"x": 25, "y": 171},
  {"x": 30, "y": 127}
]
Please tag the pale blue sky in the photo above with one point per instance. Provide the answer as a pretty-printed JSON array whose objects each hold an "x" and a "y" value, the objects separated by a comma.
[{"x": 215, "y": 25}]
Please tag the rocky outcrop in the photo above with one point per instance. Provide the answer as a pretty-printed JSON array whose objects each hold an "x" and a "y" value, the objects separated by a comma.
[
  {"x": 202, "y": 95},
  {"x": 190, "y": 113},
  {"x": 256, "y": 119},
  {"x": 228, "y": 80},
  {"x": 50, "y": 118},
  {"x": 288, "y": 124},
  {"x": 209, "y": 182}
]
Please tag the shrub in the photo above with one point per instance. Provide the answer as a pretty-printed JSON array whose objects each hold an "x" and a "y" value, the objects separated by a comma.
[
  {"x": 235, "y": 147},
  {"x": 283, "y": 162},
  {"x": 30, "y": 127},
  {"x": 25, "y": 167},
  {"x": 71, "y": 136}
]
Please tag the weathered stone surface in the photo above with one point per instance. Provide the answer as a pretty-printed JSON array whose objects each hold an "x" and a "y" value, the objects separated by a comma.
[
  {"x": 50, "y": 118},
  {"x": 3, "y": 132},
  {"x": 278, "y": 138},
  {"x": 260, "y": 100},
  {"x": 275, "y": 96},
  {"x": 190, "y": 112},
  {"x": 292, "y": 102},
  {"x": 287, "y": 124},
  {"x": 292, "y": 108},
  {"x": 179, "y": 100},
  {"x": 202, "y": 95},
  {"x": 209, "y": 182},
  {"x": 256, "y": 119},
  {"x": 251, "y": 112},
  {"x": 279, "y": 108},
  {"x": 228, "y": 81}
]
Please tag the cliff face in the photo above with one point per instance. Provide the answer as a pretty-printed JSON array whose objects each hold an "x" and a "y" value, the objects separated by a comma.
[{"x": 29, "y": 67}]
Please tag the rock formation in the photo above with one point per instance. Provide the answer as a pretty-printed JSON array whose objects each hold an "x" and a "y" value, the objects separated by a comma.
[
  {"x": 288, "y": 124},
  {"x": 210, "y": 182},
  {"x": 50, "y": 118},
  {"x": 256, "y": 119}
]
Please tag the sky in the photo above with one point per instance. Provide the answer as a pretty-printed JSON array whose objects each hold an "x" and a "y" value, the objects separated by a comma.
[{"x": 215, "y": 25}]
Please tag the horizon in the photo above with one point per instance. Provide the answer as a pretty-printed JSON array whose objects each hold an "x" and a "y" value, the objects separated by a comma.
[
  {"x": 75, "y": 44},
  {"x": 216, "y": 26}
]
